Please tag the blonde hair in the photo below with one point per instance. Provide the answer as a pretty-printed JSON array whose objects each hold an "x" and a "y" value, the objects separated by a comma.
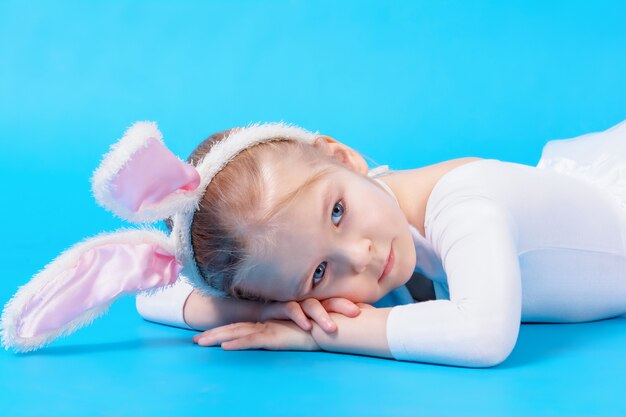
[{"x": 237, "y": 217}]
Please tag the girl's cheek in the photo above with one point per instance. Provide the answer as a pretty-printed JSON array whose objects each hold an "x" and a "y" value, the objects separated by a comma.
[
  {"x": 329, "y": 291},
  {"x": 353, "y": 291}
]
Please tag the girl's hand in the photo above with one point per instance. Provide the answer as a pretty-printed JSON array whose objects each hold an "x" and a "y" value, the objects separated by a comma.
[
  {"x": 300, "y": 312},
  {"x": 269, "y": 335}
]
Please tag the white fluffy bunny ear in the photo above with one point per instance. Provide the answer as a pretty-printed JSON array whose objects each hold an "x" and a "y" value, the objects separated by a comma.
[
  {"x": 81, "y": 283},
  {"x": 140, "y": 180}
]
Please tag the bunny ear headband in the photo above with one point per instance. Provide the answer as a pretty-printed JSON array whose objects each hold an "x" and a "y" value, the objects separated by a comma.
[{"x": 141, "y": 181}]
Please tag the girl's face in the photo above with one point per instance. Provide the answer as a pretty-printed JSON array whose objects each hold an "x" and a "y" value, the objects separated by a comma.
[{"x": 337, "y": 238}]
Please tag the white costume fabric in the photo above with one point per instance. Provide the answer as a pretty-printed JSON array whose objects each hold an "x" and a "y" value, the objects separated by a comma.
[
  {"x": 165, "y": 306},
  {"x": 505, "y": 243}
]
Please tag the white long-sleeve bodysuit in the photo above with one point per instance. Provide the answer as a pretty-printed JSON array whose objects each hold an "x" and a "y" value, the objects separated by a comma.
[{"x": 506, "y": 243}]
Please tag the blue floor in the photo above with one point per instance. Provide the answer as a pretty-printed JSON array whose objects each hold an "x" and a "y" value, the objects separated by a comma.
[
  {"x": 123, "y": 365},
  {"x": 408, "y": 85}
]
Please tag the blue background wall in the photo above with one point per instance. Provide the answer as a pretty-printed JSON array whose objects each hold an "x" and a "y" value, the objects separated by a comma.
[{"x": 407, "y": 83}]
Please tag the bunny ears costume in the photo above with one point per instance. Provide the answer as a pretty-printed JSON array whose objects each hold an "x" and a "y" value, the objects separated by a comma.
[{"x": 141, "y": 181}]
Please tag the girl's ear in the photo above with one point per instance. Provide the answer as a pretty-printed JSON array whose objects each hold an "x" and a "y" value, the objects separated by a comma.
[
  {"x": 81, "y": 283},
  {"x": 342, "y": 153}
]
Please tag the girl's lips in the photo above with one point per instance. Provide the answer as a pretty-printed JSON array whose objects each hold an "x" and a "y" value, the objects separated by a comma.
[{"x": 389, "y": 265}]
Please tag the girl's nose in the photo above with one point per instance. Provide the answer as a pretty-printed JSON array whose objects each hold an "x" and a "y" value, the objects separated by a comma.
[{"x": 357, "y": 254}]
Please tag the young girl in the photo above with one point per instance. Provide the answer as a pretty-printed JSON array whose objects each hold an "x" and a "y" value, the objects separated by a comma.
[{"x": 283, "y": 215}]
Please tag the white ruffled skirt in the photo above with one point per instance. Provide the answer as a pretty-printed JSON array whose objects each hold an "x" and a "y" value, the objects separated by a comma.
[{"x": 597, "y": 158}]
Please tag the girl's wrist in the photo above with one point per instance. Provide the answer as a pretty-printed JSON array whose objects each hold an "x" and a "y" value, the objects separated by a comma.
[
  {"x": 203, "y": 312},
  {"x": 363, "y": 335},
  {"x": 256, "y": 311},
  {"x": 243, "y": 311},
  {"x": 322, "y": 338}
]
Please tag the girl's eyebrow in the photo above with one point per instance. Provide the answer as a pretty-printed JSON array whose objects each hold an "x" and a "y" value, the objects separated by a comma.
[{"x": 326, "y": 201}]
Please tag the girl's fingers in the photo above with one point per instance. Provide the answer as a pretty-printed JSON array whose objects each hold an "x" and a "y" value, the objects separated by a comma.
[
  {"x": 219, "y": 335},
  {"x": 251, "y": 341},
  {"x": 286, "y": 311},
  {"x": 293, "y": 311},
  {"x": 270, "y": 335},
  {"x": 316, "y": 311},
  {"x": 342, "y": 306}
]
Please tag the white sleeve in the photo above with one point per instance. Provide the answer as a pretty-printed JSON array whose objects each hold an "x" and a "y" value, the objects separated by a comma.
[
  {"x": 478, "y": 326},
  {"x": 165, "y": 306}
]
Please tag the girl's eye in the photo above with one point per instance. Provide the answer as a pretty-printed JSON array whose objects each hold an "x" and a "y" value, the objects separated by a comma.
[
  {"x": 338, "y": 212},
  {"x": 318, "y": 275}
]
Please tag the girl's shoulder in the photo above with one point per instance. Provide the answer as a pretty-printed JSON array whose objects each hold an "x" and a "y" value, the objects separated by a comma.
[
  {"x": 414, "y": 187},
  {"x": 462, "y": 176},
  {"x": 444, "y": 167},
  {"x": 433, "y": 174}
]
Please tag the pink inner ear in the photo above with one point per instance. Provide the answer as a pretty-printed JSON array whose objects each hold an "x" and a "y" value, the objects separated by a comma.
[
  {"x": 152, "y": 174},
  {"x": 100, "y": 275}
]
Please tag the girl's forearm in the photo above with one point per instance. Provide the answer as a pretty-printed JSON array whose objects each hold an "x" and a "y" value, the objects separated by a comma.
[
  {"x": 365, "y": 334},
  {"x": 204, "y": 313}
]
